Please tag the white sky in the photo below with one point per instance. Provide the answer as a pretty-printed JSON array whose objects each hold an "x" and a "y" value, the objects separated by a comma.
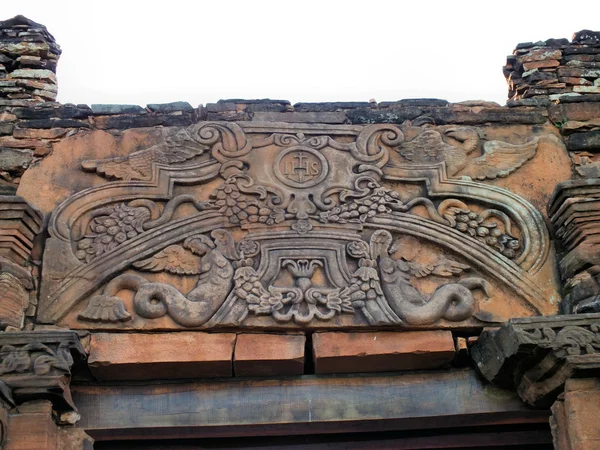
[{"x": 143, "y": 52}]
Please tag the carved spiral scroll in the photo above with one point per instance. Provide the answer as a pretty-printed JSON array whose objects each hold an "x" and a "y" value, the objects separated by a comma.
[
  {"x": 228, "y": 141},
  {"x": 373, "y": 142}
]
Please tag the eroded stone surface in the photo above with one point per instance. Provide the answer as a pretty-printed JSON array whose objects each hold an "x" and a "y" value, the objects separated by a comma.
[
  {"x": 136, "y": 356},
  {"x": 268, "y": 355},
  {"x": 381, "y": 351},
  {"x": 267, "y": 225}
]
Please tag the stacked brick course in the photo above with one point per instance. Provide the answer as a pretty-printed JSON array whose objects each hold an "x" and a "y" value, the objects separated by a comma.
[
  {"x": 28, "y": 58},
  {"x": 555, "y": 68}
]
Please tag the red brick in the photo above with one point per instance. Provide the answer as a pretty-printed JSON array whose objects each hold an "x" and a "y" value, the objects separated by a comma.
[
  {"x": 137, "y": 356},
  {"x": 541, "y": 54},
  {"x": 31, "y": 427},
  {"x": 582, "y": 399},
  {"x": 32, "y": 133},
  {"x": 381, "y": 351},
  {"x": 268, "y": 355},
  {"x": 540, "y": 64}
]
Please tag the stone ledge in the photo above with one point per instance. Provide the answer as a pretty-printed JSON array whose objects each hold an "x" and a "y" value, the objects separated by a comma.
[
  {"x": 537, "y": 355},
  {"x": 137, "y": 356},
  {"x": 269, "y": 355},
  {"x": 382, "y": 351}
]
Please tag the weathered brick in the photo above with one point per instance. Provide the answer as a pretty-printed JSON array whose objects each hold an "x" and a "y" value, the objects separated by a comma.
[
  {"x": 102, "y": 109},
  {"x": 582, "y": 398},
  {"x": 32, "y": 133},
  {"x": 38, "y": 74},
  {"x": 574, "y": 111},
  {"x": 269, "y": 355},
  {"x": 584, "y": 141},
  {"x": 171, "y": 107},
  {"x": 578, "y": 72},
  {"x": 381, "y": 351},
  {"x": 60, "y": 112},
  {"x": 137, "y": 356},
  {"x": 53, "y": 123},
  {"x": 329, "y": 106},
  {"x": 540, "y": 64},
  {"x": 300, "y": 117},
  {"x": 541, "y": 55},
  {"x": 6, "y": 128},
  {"x": 140, "y": 121}
]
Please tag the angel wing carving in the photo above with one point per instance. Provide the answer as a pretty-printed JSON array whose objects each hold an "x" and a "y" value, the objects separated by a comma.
[
  {"x": 138, "y": 166},
  {"x": 500, "y": 159},
  {"x": 174, "y": 259},
  {"x": 454, "y": 146},
  {"x": 444, "y": 268}
]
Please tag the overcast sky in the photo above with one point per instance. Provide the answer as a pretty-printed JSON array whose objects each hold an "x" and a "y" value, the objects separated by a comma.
[{"x": 143, "y": 52}]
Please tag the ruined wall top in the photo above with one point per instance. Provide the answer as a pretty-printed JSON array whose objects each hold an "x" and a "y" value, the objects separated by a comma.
[
  {"x": 28, "y": 58},
  {"x": 554, "y": 69}
]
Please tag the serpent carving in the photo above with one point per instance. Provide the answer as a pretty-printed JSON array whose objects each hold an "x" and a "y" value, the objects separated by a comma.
[
  {"x": 452, "y": 301},
  {"x": 199, "y": 255}
]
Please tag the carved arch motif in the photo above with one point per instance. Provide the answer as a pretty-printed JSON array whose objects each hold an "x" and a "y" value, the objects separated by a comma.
[{"x": 289, "y": 226}]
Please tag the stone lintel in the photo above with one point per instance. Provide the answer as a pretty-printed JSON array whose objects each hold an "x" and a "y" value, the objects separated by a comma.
[
  {"x": 269, "y": 354},
  {"x": 382, "y": 351},
  {"x": 137, "y": 356}
]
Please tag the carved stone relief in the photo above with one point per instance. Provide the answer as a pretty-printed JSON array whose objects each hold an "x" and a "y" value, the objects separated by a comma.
[
  {"x": 37, "y": 365},
  {"x": 537, "y": 355},
  {"x": 271, "y": 225}
]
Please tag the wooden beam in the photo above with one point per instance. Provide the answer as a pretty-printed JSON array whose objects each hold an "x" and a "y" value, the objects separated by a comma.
[
  {"x": 308, "y": 404},
  {"x": 529, "y": 439}
]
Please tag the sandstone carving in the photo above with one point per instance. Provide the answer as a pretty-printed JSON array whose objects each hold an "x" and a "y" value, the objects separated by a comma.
[
  {"x": 38, "y": 364},
  {"x": 220, "y": 225},
  {"x": 454, "y": 146},
  {"x": 537, "y": 355},
  {"x": 179, "y": 147},
  {"x": 451, "y": 301}
]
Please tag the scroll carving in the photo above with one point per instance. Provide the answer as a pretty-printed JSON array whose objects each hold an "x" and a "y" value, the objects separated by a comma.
[
  {"x": 38, "y": 365},
  {"x": 271, "y": 227},
  {"x": 538, "y": 355}
]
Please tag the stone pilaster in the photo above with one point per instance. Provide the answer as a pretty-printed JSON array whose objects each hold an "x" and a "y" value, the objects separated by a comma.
[
  {"x": 19, "y": 225},
  {"x": 574, "y": 211},
  {"x": 37, "y": 411},
  {"x": 537, "y": 355},
  {"x": 550, "y": 361}
]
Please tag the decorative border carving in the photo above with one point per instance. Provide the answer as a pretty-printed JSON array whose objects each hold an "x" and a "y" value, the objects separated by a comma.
[
  {"x": 108, "y": 243},
  {"x": 37, "y": 365},
  {"x": 536, "y": 356}
]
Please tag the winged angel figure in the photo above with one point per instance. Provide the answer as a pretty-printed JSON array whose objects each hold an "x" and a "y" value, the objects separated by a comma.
[
  {"x": 454, "y": 145},
  {"x": 199, "y": 255},
  {"x": 179, "y": 147},
  {"x": 452, "y": 301}
]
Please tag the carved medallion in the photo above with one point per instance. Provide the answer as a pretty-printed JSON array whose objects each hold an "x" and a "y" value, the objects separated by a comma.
[{"x": 300, "y": 167}]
